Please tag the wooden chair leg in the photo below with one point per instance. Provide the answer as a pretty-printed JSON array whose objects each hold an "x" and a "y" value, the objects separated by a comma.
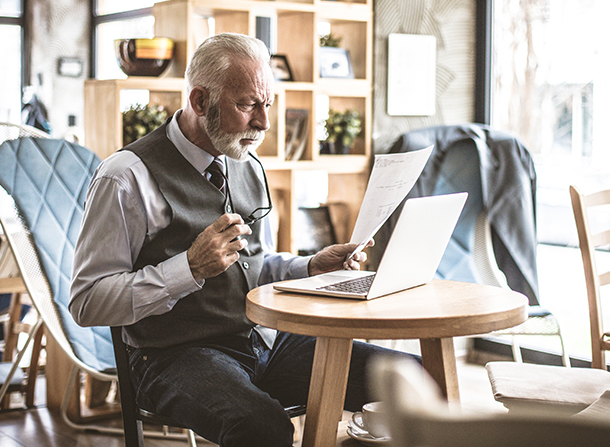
[
  {"x": 10, "y": 338},
  {"x": 30, "y": 390}
]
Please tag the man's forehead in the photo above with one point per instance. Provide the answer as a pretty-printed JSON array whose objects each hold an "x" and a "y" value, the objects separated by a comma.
[{"x": 251, "y": 79}]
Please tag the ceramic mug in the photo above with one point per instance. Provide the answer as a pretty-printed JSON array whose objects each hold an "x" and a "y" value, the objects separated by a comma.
[{"x": 374, "y": 419}]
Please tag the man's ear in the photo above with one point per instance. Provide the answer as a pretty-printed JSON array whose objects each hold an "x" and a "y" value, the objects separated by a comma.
[{"x": 199, "y": 100}]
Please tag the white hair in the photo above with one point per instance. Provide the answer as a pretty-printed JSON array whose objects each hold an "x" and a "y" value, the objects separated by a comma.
[{"x": 211, "y": 61}]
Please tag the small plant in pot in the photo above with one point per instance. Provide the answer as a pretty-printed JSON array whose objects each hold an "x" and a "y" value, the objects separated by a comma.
[
  {"x": 140, "y": 120},
  {"x": 328, "y": 40},
  {"x": 342, "y": 129}
]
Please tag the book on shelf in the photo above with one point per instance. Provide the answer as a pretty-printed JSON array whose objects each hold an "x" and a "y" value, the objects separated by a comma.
[{"x": 297, "y": 125}]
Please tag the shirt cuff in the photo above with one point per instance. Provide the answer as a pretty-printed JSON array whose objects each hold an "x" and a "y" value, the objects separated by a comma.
[
  {"x": 178, "y": 277},
  {"x": 299, "y": 268}
]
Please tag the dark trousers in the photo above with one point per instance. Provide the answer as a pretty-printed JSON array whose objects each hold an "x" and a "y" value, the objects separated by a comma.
[{"x": 233, "y": 391}]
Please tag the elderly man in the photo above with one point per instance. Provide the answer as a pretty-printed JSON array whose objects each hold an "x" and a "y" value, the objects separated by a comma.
[{"x": 173, "y": 238}]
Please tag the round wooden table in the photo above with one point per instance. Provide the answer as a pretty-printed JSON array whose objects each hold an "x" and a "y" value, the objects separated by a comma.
[{"x": 433, "y": 313}]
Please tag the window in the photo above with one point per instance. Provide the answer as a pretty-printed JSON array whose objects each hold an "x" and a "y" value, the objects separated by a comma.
[
  {"x": 117, "y": 19},
  {"x": 11, "y": 75},
  {"x": 551, "y": 65}
]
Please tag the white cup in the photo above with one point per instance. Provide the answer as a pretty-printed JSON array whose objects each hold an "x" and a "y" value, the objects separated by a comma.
[{"x": 374, "y": 419}]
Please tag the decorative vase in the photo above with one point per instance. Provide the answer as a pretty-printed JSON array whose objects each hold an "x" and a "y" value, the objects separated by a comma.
[
  {"x": 340, "y": 148},
  {"x": 144, "y": 57}
]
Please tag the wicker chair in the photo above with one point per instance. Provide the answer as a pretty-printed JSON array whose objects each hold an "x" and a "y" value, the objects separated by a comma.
[{"x": 13, "y": 289}]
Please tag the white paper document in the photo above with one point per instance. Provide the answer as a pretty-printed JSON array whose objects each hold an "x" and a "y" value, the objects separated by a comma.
[{"x": 392, "y": 178}]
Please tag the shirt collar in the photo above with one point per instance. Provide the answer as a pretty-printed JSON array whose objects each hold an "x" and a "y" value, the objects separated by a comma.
[{"x": 196, "y": 156}]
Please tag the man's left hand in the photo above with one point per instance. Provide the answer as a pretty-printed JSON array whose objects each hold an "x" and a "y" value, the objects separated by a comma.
[{"x": 334, "y": 258}]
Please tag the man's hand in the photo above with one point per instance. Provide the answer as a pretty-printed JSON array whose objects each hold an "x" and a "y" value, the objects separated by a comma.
[
  {"x": 334, "y": 258},
  {"x": 216, "y": 248}
]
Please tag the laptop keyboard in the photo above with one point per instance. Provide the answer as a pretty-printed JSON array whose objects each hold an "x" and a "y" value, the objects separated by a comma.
[{"x": 357, "y": 285}]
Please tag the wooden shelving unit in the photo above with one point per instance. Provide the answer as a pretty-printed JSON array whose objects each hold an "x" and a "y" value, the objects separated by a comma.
[
  {"x": 103, "y": 118},
  {"x": 188, "y": 23}
]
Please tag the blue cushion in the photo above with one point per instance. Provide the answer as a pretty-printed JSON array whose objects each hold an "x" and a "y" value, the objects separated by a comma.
[{"x": 48, "y": 179}]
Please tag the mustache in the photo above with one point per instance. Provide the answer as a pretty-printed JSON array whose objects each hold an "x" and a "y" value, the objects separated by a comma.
[{"x": 252, "y": 135}]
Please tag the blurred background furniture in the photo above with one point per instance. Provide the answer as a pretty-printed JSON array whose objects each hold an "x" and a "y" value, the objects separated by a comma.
[
  {"x": 533, "y": 387},
  {"x": 494, "y": 242},
  {"x": 418, "y": 416},
  {"x": 518, "y": 386},
  {"x": 12, "y": 377},
  {"x": 314, "y": 229}
]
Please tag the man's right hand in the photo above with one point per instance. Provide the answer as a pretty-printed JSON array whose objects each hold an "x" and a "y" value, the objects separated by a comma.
[{"x": 216, "y": 248}]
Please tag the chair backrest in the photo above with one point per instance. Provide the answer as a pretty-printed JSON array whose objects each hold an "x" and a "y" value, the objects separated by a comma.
[
  {"x": 592, "y": 216},
  {"x": 10, "y": 131},
  {"x": 419, "y": 416},
  {"x": 44, "y": 183}
]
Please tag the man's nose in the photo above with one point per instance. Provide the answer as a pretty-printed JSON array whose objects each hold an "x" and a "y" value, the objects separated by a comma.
[{"x": 261, "y": 118}]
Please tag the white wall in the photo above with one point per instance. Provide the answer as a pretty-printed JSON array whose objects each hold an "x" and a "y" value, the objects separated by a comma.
[
  {"x": 452, "y": 22},
  {"x": 59, "y": 28}
]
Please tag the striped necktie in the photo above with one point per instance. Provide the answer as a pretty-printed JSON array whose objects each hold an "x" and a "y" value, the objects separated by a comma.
[{"x": 216, "y": 171}]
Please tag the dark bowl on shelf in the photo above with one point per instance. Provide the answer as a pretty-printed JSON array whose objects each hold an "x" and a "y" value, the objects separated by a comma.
[{"x": 144, "y": 57}]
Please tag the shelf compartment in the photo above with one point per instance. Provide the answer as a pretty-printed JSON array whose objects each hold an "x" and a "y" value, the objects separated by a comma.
[
  {"x": 299, "y": 51},
  {"x": 356, "y": 38},
  {"x": 103, "y": 117}
]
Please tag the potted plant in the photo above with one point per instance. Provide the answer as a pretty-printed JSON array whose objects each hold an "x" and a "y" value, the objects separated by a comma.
[
  {"x": 328, "y": 40},
  {"x": 342, "y": 129},
  {"x": 140, "y": 120}
]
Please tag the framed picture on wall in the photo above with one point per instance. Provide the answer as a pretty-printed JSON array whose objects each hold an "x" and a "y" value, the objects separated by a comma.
[
  {"x": 335, "y": 63},
  {"x": 281, "y": 68}
]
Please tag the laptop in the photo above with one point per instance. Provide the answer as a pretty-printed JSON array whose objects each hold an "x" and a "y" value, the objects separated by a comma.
[{"x": 411, "y": 257}]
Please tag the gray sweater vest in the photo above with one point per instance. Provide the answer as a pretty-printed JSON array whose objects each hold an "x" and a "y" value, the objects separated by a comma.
[{"x": 218, "y": 309}]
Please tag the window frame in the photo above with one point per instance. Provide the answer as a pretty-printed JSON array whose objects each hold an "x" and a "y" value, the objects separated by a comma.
[
  {"x": 23, "y": 23},
  {"x": 483, "y": 61}
]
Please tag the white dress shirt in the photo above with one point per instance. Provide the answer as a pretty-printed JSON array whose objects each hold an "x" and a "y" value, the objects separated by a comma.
[{"x": 124, "y": 210}]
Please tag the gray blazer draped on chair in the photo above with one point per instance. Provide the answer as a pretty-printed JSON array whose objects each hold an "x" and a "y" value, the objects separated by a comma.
[{"x": 507, "y": 192}]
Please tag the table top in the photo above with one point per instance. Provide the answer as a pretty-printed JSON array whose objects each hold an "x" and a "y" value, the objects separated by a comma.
[{"x": 438, "y": 309}]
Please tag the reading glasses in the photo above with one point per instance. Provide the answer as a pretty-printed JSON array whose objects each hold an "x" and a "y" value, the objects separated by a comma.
[{"x": 259, "y": 212}]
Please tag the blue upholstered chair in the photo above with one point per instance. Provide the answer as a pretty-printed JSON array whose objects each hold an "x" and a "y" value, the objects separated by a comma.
[
  {"x": 43, "y": 184},
  {"x": 14, "y": 304}
]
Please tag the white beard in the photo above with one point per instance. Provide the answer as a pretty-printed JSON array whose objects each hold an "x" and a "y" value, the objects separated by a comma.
[{"x": 229, "y": 143}]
